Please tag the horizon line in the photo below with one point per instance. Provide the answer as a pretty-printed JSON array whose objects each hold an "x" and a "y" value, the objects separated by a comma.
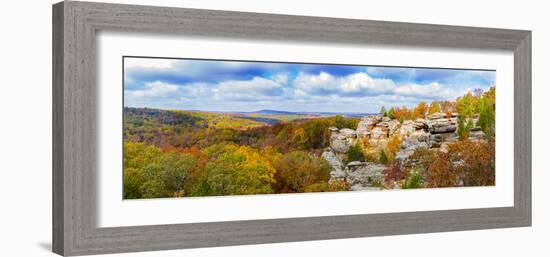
[{"x": 275, "y": 110}]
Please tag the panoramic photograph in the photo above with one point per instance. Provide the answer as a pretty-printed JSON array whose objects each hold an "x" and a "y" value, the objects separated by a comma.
[{"x": 197, "y": 127}]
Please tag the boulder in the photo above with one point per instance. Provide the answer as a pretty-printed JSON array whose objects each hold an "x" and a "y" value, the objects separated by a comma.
[
  {"x": 476, "y": 135},
  {"x": 379, "y": 132},
  {"x": 454, "y": 121},
  {"x": 337, "y": 166},
  {"x": 365, "y": 125},
  {"x": 443, "y": 122},
  {"x": 441, "y": 139},
  {"x": 341, "y": 140},
  {"x": 407, "y": 128},
  {"x": 384, "y": 124},
  {"x": 421, "y": 136},
  {"x": 364, "y": 175},
  {"x": 442, "y": 129},
  {"x": 393, "y": 127},
  {"x": 475, "y": 129},
  {"x": 437, "y": 115},
  {"x": 419, "y": 124},
  {"x": 441, "y": 125},
  {"x": 348, "y": 133},
  {"x": 409, "y": 146}
]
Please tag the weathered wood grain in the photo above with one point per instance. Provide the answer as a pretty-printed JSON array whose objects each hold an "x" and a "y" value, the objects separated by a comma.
[{"x": 74, "y": 126}]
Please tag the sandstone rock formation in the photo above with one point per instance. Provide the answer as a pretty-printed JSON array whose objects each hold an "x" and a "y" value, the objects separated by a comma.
[
  {"x": 438, "y": 123},
  {"x": 364, "y": 175},
  {"x": 436, "y": 131},
  {"x": 365, "y": 125},
  {"x": 407, "y": 128},
  {"x": 342, "y": 139},
  {"x": 335, "y": 162}
]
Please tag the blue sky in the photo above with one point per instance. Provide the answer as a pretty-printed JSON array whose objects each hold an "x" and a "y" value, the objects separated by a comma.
[{"x": 249, "y": 86}]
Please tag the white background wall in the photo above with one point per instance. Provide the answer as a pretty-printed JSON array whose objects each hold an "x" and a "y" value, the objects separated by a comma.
[{"x": 25, "y": 128}]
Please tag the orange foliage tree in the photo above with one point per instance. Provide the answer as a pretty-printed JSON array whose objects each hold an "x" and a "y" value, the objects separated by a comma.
[
  {"x": 420, "y": 110},
  {"x": 441, "y": 172},
  {"x": 476, "y": 161}
]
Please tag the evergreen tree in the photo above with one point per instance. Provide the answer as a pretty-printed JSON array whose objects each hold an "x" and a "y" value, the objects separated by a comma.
[
  {"x": 383, "y": 111},
  {"x": 355, "y": 153},
  {"x": 384, "y": 159},
  {"x": 391, "y": 113}
]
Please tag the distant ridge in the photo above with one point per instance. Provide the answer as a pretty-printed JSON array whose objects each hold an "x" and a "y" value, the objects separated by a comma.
[
  {"x": 274, "y": 112},
  {"x": 277, "y": 112}
]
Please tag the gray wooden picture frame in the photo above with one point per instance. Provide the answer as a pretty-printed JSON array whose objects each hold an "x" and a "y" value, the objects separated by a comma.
[{"x": 75, "y": 25}]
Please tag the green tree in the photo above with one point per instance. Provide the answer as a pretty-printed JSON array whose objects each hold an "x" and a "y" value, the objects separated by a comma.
[
  {"x": 464, "y": 127},
  {"x": 175, "y": 168},
  {"x": 384, "y": 159},
  {"x": 391, "y": 113},
  {"x": 133, "y": 180},
  {"x": 355, "y": 153},
  {"x": 383, "y": 111},
  {"x": 486, "y": 110},
  {"x": 413, "y": 180},
  {"x": 467, "y": 105}
]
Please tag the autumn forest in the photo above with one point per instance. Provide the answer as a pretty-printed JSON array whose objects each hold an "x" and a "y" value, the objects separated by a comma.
[{"x": 210, "y": 128}]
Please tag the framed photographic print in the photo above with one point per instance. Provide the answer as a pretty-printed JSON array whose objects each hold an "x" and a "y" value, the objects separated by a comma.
[{"x": 183, "y": 128}]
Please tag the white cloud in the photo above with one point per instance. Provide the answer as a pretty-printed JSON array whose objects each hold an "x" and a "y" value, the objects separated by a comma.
[
  {"x": 428, "y": 91},
  {"x": 155, "y": 89},
  {"x": 361, "y": 84},
  {"x": 308, "y": 92},
  {"x": 281, "y": 78},
  {"x": 322, "y": 84},
  {"x": 255, "y": 89},
  {"x": 358, "y": 84}
]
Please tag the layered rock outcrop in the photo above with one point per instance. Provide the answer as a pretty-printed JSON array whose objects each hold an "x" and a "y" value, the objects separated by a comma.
[
  {"x": 336, "y": 163},
  {"x": 359, "y": 175},
  {"x": 436, "y": 131},
  {"x": 364, "y": 175},
  {"x": 342, "y": 139}
]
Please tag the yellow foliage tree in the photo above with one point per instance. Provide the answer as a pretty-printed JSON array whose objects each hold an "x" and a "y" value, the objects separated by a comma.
[{"x": 434, "y": 107}]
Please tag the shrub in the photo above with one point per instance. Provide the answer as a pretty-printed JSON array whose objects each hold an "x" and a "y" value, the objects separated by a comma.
[
  {"x": 338, "y": 185},
  {"x": 413, "y": 180},
  {"x": 355, "y": 153},
  {"x": 441, "y": 172},
  {"x": 384, "y": 159},
  {"x": 464, "y": 128},
  {"x": 393, "y": 173}
]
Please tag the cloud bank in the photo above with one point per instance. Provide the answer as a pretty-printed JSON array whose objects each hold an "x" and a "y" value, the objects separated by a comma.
[{"x": 249, "y": 86}]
